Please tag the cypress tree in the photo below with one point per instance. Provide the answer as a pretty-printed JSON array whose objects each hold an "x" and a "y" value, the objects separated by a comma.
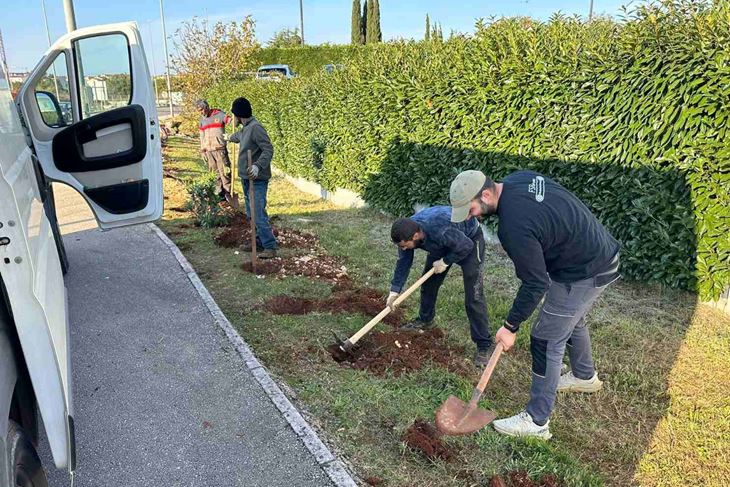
[
  {"x": 364, "y": 23},
  {"x": 427, "y": 37},
  {"x": 355, "y": 27},
  {"x": 373, "y": 24}
]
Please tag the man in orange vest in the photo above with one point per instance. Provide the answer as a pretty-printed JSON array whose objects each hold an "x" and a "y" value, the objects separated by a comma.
[{"x": 213, "y": 147}]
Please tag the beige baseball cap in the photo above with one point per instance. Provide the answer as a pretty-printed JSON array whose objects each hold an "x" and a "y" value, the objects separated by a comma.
[{"x": 464, "y": 188}]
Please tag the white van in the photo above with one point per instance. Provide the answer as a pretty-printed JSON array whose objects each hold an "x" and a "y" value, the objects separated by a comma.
[{"x": 85, "y": 117}]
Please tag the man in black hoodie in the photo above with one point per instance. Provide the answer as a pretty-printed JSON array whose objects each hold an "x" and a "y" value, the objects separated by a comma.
[{"x": 560, "y": 251}]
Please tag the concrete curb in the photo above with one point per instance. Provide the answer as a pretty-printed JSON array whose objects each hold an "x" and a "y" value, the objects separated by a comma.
[{"x": 334, "y": 468}]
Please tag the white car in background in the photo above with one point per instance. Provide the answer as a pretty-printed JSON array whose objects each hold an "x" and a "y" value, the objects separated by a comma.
[
  {"x": 274, "y": 72},
  {"x": 84, "y": 117}
]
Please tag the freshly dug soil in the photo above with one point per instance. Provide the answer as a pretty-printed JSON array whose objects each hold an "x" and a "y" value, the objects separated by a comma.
[
  {"x": 366, "y": 301},
  {"x": 323, "y": 267},
  {"x": 374, "y": 481},
  {"x": 399, "y": 352},
  {"x": 239, "y": 233},
  {"x": 424, "y": 437}
]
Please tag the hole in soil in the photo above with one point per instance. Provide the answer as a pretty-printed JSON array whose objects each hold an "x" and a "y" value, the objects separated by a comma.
[
  {"x": 402, "y": 351},
  {"x": 366, "y": 301},
  {"x": 372, "y": 480},
  {"x": 424, "y": 437},
  {"x": 238, "y": 233},
  {"x": 315, "y": 266}
]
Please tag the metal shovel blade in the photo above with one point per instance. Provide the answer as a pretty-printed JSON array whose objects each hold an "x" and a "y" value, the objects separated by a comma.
[{"x": 455, "y": 417}]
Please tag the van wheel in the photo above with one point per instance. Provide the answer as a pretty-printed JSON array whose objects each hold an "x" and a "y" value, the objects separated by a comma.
[{"x": 25, "y": 465}]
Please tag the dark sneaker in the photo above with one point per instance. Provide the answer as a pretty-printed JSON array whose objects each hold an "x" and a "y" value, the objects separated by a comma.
[
  {"x": 247, "y": 247},
  {"x": 267, "y": 254},
  {"x": 482, "y": 356},
  {"x": 417, "y": 325}
]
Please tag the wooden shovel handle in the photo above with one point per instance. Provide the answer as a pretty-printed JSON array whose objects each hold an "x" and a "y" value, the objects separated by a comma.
[
  {"x": 489, "y": 368},
  {"x": 252, "y": 211},
  {"x": 370, "y": 324}
]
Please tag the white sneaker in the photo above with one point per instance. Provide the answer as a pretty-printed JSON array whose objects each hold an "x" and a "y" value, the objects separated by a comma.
[
  {"x": 570, "y": 383},
  {"x": 522, "y": 425}
]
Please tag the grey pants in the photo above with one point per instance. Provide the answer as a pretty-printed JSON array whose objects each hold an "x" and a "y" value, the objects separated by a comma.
[
  {"x": 562, "y": 323},
  {"x": 219, "y": 163}
]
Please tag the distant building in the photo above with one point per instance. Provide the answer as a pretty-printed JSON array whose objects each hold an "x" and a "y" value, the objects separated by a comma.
[
  {"x": 97, "y": 86},
  {"x": 17, "y": 77}
]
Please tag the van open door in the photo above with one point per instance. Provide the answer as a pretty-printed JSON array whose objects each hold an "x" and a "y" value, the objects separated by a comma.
[{"x": 89, "y": 108}]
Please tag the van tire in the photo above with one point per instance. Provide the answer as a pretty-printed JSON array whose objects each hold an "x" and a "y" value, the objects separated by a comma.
[{"x": 26, "y": 469}]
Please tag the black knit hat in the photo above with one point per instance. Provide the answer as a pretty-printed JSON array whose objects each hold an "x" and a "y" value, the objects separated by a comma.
[{"x": 242, "y": 108}]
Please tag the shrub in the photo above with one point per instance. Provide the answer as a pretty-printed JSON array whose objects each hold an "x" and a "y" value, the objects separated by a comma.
[
  {"x": 630, "y": 116},
  {"x": 204, "y": 202}
]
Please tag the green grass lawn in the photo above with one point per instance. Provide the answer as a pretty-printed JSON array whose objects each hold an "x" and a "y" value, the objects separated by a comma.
[{"x": 662, "y": 419}]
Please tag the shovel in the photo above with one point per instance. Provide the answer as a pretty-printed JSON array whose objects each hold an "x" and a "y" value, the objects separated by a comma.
[
  {"x": 346, "y": 345},
  {"x": 455, "y": 417},
  {"x": 252, "y": 211}
]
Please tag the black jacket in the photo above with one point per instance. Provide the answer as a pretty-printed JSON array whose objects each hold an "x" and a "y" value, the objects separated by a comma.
[{"x": 549, "y": 234}]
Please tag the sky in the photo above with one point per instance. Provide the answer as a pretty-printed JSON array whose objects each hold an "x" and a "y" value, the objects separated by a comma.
[{"x": 25, "y": 38}]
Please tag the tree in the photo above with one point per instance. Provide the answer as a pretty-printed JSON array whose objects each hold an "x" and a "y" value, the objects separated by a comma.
[
  {"x": 437, "y": 34},
  {"x": 364, "y": 23},
  {"x": 427, "y": 37},
  {"x": 355, "y": 29},
  {"x": 286, "y": 37},
  {"x": 373, "y": 24},
  {"x": 204, "y": 56}
]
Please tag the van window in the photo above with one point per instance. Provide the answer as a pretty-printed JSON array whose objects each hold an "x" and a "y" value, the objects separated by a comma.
[
  {"x": 104, "y": 73},
  {"x": 53, "y": 96}
]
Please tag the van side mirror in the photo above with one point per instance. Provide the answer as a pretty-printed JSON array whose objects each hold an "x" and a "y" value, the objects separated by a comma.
[{"x": 50, "y": 109}]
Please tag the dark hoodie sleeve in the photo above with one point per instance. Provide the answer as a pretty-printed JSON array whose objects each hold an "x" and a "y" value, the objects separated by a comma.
[
  {"x": 402, "y": 269},
  {"x": 525, "y": 251},
  {"x": 458, "y": 245}
]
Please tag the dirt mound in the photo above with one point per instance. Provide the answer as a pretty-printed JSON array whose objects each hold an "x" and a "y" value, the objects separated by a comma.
[
  {"x": 424, "y": 437},
  {"x": 521, "y": 478},
  {"x": 366, "y": 301},
  {"x": 399, "y": 352},
  {"x": 316, "y": 266},
  {"x": 372, "y": 480},
  {"x": 239, "y": 232}
]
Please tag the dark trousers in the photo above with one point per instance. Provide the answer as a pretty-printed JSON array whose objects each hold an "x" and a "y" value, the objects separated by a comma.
[{"x": 476, "y": 305}]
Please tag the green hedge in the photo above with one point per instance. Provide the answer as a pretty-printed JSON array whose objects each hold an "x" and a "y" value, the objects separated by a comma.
[
  {"x": 306, "y": 60},
  {"x": 632, "y": 117}
]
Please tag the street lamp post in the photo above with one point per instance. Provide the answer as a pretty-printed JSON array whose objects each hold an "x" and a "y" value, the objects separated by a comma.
[
  {"x": 68, "y": 10},
  {"x": 590, "y": 11},
  {"x": 301, "y": 19},
  {"x": 48, "y": 35},
  {"x": 167, "y": 57}
]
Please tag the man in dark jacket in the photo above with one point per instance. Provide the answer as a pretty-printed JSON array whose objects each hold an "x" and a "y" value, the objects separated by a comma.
[
  {"x": 560, "y": 251},
  {"x": 447, "y": 243},
  {"x": 252, "y": 136}
]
